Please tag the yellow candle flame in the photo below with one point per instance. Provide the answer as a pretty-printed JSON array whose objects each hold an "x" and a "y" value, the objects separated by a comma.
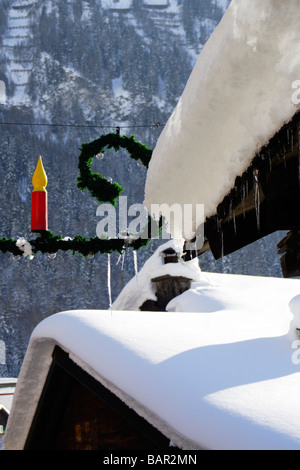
[{"x": 39, "y": 179}]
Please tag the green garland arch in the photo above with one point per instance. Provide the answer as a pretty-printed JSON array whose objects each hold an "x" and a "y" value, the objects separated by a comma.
[
  {"x": 103, "y": 191},
  {"x": 98, "y": 185}
]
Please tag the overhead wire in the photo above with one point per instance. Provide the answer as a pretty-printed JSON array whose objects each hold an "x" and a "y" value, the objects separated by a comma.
[{"x": 99, "y": 126}]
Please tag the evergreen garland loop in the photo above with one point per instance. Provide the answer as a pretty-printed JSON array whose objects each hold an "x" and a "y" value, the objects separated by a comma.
[
  {"x": 98, "y": 185},
  {"x": 103, "y": 191}
]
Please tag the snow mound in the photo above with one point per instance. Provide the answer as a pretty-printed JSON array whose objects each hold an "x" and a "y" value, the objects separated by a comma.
[
  {"x": 295, "y": 322},
  {"x": 140, "y": 288},
  {"x": 237, "y": 97}
]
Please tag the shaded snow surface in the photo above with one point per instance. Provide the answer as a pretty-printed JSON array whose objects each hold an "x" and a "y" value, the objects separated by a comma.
[{"x": 220, "y": 370}]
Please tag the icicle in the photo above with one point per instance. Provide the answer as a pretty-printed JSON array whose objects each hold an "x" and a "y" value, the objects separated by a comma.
[
  {"x": 222, "y": 244},
  {"x": 284, "y": 160},
  {"x": 243, "y": 200},
  {"x": 256, "y": 197},
  {"x": 109, "y": 280},
  {"x": 222, "y": 248},
  {"x": 270, "y": 160},
  {"x": 299, "y": 166},
  {"x": 123, "y": 260},
  {"x": 220, "y": 232},
  {"x": 230, "y": 210},
  {"x": 135, "y": 262},
  {"x": 122, "y": 234},
  {"x": 234, "y": 222},
  {"x": 119, "y": 259},
  {"x": 299, "y": 155}
]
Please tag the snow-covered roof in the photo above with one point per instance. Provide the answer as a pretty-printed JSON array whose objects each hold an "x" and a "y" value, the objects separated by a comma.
[
  {"x": 218, "y": 371},
  {"x": 237, "y": 97}
]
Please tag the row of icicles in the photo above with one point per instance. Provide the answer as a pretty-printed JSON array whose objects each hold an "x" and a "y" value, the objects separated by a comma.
[{"x": 290, "y": 139}]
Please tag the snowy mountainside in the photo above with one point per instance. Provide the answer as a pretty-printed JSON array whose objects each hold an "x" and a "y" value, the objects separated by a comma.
[
  {"x": 101, "y": 44},
  {"x": 105, "y": 63},
  {"x": 18, "y": 35}
]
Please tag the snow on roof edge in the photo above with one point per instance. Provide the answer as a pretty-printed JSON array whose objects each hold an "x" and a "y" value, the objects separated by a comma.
[
  {"x": 32, "y": 378},
  {"x": 238, "y": 96}
]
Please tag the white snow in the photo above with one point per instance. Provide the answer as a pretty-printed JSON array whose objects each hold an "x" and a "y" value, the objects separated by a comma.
[
  {"x": 117, "y": 4},
  {"x": 140, "y": 288},
  {"x": 237, "y": 97},
  {"x": 156, "y": 3},
  {"x": 2, "y": 92},
  {"x": 19, "y": 31},
  {"x": 220, "y": 370},
  {"x": 7, "y": 389},
  {"x": 118, "y": 88}
]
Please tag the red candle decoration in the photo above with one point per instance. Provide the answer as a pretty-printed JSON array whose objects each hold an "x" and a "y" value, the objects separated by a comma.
[{"x": 39, "y": 200}]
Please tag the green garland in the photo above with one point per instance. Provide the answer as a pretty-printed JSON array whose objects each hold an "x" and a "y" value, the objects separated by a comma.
[
  {"x": 98, "y": 185},
  {"x": 103, "y": 191},
  {"x": 47, "y": 242}
]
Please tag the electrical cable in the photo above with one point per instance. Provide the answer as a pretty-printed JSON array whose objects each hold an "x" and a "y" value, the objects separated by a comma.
[{"x": 99, "y": 126}]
